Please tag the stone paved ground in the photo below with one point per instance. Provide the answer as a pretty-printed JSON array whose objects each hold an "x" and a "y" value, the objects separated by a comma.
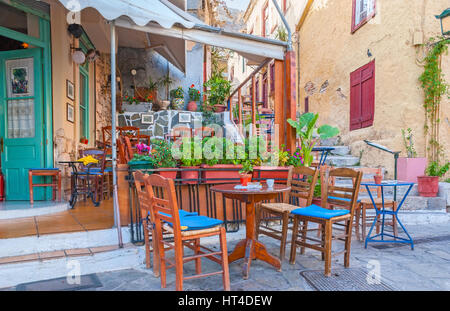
[{"x": 427, "y": 267}]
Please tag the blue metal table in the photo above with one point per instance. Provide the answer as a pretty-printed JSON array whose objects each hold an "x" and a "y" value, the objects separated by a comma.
[
  {"x": 383, "y": 212},
  {"x": 324, "y": 152}
]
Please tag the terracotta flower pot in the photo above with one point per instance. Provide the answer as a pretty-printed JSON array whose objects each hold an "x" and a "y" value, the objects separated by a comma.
[
  {"x": 168, "y": 174},
  {"x": 192, "y": 106},
  {"x": 211, "y": 174},
  {"x": 245, "y": 179},
  {"x": 428, "y": 186},
  {"x": 187, "y": 174},
  {"x": 220, "y": 108}
]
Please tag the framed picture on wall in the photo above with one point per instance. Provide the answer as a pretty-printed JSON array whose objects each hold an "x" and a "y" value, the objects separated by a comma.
[
  {"x": 184, "y": 117},
  {"x": 70, "y": 113},
  {"x": 146, "y": 118},
  {"x": 70, "y": 90}
]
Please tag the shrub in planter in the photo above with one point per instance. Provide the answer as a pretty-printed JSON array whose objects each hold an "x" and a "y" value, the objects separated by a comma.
[
  {"x": 245, "y": 172},
  {"x": 187, "y": 154},
  {"x": 428, "y": 185},
  {"x": 162, "y": 154}
]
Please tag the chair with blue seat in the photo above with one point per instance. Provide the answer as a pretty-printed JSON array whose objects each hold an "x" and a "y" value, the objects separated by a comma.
[
  {"x": 302, "y": 181},
  {"x": 95, "y": 172},
  {"x": 144, "y": 209},
  {"x": 345, "y": 197},
  {"x": 186, "y": 231}
]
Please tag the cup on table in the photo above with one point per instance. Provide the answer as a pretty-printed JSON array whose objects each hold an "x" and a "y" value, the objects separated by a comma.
[
  {"x": 378, "y": 179},
  {"x": 270, "y": 182}
]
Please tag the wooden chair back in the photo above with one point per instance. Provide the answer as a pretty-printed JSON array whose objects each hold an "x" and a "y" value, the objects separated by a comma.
[
  {"x": 368, "y": 174},
  {"x": 341, "y": 195},
  {"x": 132, "y": 131},
  {"x": 96, "y": 154},
  {"x": 163, "y": 204},
  {"x": 181, "y": 131},
  {"x": 302, "y": 181},
  {"x": 204, "y": 132},
  {"x": 128, "y": 148},
  {"x": 142, "y": 194},
  {"x": 122, "y": 159}
]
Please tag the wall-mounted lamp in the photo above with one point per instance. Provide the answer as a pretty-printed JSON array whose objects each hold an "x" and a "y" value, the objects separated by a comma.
[
  {"x": 78, "y": 56},
  {"x": 445, "y": 22},
  {"x": 75, "y": 30}
]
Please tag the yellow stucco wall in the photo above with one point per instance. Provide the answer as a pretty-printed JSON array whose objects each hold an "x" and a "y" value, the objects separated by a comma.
[{"x": 329, "y": 52}]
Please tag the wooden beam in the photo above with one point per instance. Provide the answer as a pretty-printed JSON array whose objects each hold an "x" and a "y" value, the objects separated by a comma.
[
  {"x": 253, "y": 105},
  {"x": 280, "y": 119},
  {"x": 240, "y": 108},
  {"x": 291, "y": 99}
]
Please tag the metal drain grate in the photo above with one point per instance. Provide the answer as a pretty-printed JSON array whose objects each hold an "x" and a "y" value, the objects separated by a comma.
[
  {"x": 342, "y": 280},
  {"x": 60, "y": 284}
]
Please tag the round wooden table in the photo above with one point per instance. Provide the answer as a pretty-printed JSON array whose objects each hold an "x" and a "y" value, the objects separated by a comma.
[{"x": 250, "y": 248}]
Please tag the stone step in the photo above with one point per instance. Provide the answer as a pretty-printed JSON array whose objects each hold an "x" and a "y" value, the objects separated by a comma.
[
  {"x": 339, "y": 150},
  {"x": 329, "y": 142},
  {"x": 342, "y": 161}
]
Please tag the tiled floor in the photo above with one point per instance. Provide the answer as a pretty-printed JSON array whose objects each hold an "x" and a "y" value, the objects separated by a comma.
[{"x": 84, "y": 217}]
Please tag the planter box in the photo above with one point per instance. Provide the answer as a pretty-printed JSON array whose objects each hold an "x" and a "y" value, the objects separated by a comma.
[
  {"x": 140, "y": 165},
  {"x": 206, "y": 175},
  {"x": 141, "y": 107},
  {"x": 428, "y": 186},
  {"x": 270, "y": 172},
  {"x": 172, "y": 174},
  {"x": 409, "y": 168},
  {"x": 189, "y": 175}
]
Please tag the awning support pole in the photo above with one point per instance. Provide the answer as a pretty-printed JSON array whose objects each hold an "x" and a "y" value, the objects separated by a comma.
[{"x": 113, "y": 133}]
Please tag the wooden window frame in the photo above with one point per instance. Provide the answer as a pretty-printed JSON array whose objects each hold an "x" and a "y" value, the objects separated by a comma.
[{"x": 365, "y": 20}]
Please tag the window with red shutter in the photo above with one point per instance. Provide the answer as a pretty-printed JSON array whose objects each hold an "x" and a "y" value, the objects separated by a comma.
[{"x": 362, "y": 97}]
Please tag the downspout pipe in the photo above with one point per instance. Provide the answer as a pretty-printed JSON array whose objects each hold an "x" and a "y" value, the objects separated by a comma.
[{"x": 289, "y": 47}]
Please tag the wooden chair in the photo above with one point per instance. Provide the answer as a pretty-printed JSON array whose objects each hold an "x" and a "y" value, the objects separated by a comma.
[
  {"x": 186, "y": 231},
  {"x": 204, "y": 132},
  {"x": 337, "y": 196},
  {"x": 129, "y": 149},
  {"x": 362, "y": 221},
  {"x": 178, "y": 132},
  {"x": 302, "y": 189},
  {"x": 97, "y": 173},
  {"x": 54, "y": 173}
]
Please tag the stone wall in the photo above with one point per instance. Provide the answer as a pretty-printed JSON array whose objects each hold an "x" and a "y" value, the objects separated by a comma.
[{"x": 330, "y": 52}]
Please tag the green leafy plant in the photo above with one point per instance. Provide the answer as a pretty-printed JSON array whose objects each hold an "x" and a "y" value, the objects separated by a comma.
[
  {"x": 309, "y": 134},
  {"x": 434, "y": 86},
  {"x": 161, "y": 152},
  {"x": 281, "y": 34},
  {"x": 194, "y": 94},
  {"x": 247, "y": 167},
  {"x": 190, "y": 152},
  {"x": 166, "y": 81},
  {"x": 177, "y": 93},
  {"x": 408, "y": 143},
  {"x": 130, "y": 100},
  {"x": 153, "y": 85},
  {"x": 218, "y": 89},
  {"x": 434, "y": 169}
]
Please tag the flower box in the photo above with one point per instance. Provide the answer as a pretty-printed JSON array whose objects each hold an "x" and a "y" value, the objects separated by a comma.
[
  {"x": 408, "y": 169},
  {"x": 172, "y": 174},
  {"x": 212, "y": 176},
  {"x": 279, "y": 173},
  {"x": 140, "y": 165},
  {"x": 189, "y": 174}
]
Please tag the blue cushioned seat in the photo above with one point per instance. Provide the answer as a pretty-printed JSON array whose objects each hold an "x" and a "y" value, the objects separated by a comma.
[
  {"x": 319, "y": 212},
  {"x": 91, "y": 173},
  {"x": 181, "y": 213},
  {"x": 188, "y": 223}
]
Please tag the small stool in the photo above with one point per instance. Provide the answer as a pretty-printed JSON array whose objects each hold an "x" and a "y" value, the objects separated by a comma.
[{"x": 55, "y": 173}]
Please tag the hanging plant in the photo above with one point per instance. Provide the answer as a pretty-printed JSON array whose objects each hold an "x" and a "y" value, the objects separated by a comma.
[{"x": 433, "y": 83}]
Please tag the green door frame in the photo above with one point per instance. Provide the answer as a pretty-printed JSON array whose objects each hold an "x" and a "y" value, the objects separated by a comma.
[
  {"x": 84, "y": 98},
  {"x": 44, "y": 42}
]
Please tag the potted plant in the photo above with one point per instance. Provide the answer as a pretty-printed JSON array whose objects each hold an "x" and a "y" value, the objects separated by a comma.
[
  {"x": 245, "y": 172},
  {"x": 309, "y": 134},
  {"x": 410, "y": 167},
  {"x": 166, "y": 82},
  {"x": 188, "y": 151},
  {"x": 194, "y": 98},
  {"x": 162, "y": 154},
  {"x": 177, "y": 98},
  {"x": 217, "y": 90},
  {"x": 217, "y": 164},
  {"x": 428, "y": 185}
]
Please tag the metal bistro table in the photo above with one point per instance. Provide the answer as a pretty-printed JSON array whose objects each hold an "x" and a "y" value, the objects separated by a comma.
[
  {"x": 77, "y": 187},
  {"x": 324, "y": 152},
  {"x": 383, "y": 212},
  {"x": 250, "y": 248}
]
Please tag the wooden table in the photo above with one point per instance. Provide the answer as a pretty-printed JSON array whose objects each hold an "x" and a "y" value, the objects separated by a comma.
[{"x": 250, "y": 248}]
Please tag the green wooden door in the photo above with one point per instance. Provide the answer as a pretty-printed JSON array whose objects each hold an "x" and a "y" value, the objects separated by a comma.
[{"x": 21, "y": 120}]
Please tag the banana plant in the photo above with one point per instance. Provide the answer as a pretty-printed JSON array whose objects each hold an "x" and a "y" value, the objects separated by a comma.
[{"x": 309, "y": 134}]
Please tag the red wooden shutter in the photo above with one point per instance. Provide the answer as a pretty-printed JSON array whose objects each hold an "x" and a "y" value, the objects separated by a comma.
[
  {"x": 306, "y": 104},
  {"x": 362, "y": 97}
]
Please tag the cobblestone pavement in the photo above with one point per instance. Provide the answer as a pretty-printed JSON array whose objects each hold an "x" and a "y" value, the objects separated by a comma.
[{"x": 427, "y": 267}]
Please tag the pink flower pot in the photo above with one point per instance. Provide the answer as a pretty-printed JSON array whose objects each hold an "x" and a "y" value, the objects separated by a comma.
[
  {"x": 428, "y": 186},
  {"x": 186, "y": 174},
  {"x": 220, "y": 173},
  {"x": 408, "y": 169},
  {"x": 192, "y": 106}
]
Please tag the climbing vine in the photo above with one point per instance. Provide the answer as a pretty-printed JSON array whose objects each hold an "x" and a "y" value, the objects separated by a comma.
[{"x": 434, "y": 85}]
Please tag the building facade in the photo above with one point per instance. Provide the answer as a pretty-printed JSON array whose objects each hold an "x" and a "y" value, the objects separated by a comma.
[{"x": 359, "y": 69}]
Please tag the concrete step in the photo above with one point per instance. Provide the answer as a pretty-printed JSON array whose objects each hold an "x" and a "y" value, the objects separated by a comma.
[
  {"x": 329, "y": 142},
  {"x": 342, "y": 161},
  {"x": 339, "y": 150}
]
